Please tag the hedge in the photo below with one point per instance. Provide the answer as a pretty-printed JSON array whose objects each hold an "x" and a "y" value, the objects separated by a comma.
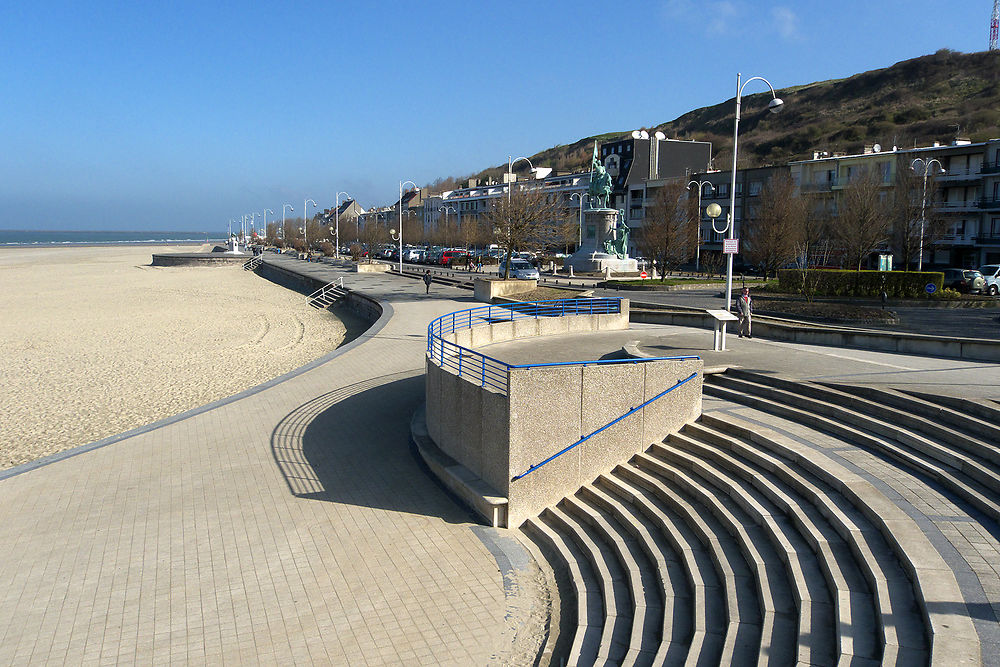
[{"x": 898, "y": 284}]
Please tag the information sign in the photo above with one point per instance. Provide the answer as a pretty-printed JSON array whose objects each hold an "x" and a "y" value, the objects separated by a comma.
[{"x": 731, "y": 246}]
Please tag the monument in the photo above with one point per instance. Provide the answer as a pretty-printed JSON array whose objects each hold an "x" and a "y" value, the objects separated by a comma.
[{"x": 604, "y": 244}]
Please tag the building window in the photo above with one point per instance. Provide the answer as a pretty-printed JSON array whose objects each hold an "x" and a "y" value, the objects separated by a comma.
[
  {"x": 722, "y": 190},
  {"x": 755, "y": 188}
]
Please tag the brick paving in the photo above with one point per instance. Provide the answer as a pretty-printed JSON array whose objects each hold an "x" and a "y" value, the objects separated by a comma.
[{"x": 291, "y": 526}]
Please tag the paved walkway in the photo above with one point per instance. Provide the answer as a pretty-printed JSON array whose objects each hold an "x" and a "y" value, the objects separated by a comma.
[{"x": 289, "y": 526}]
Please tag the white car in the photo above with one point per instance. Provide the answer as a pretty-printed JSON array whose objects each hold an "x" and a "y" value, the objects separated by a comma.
[
  {"x": 991, "y": 273},
  {"x": 519, "y": 269}
]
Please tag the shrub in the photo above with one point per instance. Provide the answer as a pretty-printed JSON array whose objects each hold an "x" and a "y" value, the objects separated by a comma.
[
  {"x": 299, "y": 245},
  {"x": 326, "y": 248},
  {"x": 898, "y": 284}
]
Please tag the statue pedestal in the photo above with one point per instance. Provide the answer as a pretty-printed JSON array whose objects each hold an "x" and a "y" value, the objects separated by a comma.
[{"x": 598, "y": 227}]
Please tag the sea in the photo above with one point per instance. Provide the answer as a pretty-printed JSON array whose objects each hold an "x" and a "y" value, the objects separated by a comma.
[{"x": 25, "y": 237}]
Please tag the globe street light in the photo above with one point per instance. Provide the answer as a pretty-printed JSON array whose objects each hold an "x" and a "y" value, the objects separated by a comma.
[
  {"x": 416, "y": 189},
  {"x": 283, "y": 207},
  {"x": 446, "y": 209},
  {"x": 697, "y": 246},
  {"x": 337, "y": 215},
  {"x": 926, "y": 164},
  {"x": 774, "y": 106},
  {"x": 392, "y": 233},
  {"x": 305, "y": 223}
]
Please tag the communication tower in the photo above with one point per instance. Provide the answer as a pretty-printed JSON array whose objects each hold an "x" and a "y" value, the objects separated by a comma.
[{"x": 995, "y": 25}]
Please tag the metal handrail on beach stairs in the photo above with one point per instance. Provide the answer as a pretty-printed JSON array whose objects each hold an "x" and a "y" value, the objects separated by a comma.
[
  {"x": 328, "y": 294},
  {"x": 252, "y": 263}
]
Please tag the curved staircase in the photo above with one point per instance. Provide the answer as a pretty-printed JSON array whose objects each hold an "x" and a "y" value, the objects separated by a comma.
[{"x": 758, "y": 535}]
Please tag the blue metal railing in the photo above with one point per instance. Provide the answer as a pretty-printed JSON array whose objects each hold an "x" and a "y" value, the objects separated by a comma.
[
  {"x": 488, "y": 372},
  {"x": 606, "y": 426}
]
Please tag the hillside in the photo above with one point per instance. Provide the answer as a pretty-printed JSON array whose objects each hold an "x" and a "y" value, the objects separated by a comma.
[{"x": 914, "y": 102}]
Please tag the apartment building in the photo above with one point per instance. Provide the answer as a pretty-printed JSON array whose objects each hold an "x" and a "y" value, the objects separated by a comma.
[{"x": 967, "y": 194}]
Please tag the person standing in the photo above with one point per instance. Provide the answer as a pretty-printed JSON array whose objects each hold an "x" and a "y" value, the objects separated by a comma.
[
  {"x": 427, "y": 281},
  {"x": 744, "y": 309}
]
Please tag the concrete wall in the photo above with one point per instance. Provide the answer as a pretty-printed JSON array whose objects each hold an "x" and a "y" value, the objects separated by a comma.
[
  {"x": 199, "y": 259},
  {"x": 884, "y": 341},
  {"x": 550, "y": 408},
  {"x": 361, "y": 305},
  {"x": 495, "y": 436},
  {"x": 486, "y": 290}
]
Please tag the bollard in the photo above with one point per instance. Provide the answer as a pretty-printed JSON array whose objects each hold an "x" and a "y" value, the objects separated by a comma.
[{"x": 571, "y": 271}]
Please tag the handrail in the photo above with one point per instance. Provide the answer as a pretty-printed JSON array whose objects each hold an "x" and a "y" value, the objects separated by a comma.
[
  {"x": 339, "y": 282},
  {"x": 492, "y": 373},
  {"x": 606, "y": 426}
]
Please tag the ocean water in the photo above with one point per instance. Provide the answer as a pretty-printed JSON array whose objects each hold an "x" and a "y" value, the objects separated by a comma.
[{"x": 20, "y": 237}]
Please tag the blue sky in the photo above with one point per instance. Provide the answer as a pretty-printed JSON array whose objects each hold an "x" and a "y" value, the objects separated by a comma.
[{"x": 180, "y": 116}]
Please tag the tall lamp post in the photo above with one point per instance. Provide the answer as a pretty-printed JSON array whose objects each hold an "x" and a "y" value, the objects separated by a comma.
[
  {"x": 446, "y": 209},
  {"x": 697, "y": 245},
  {"x": 581, "y": 196},
  {"x": 392, "y": 233},
  {"x": 305, "y": 222},
  {"x": 400, "y": 204},
  {"x": 926, "y": 164},
  {"x": 283, "y": 207},
  {"x": 774, "y": 106},
  {"x": 347, "y": 197},
  {"x": 265, "y": 220}
]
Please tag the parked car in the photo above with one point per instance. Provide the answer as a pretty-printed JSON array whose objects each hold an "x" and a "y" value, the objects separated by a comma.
[
  {"x": 964, "y": 280},
  {"x": 519, "y": 269},
  {"x": 413, "y": 255},
  {"x": 453, "y": 258},
  {"x": 991, "y": 274}
]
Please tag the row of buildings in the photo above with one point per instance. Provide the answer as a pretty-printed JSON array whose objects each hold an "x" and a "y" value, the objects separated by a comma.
[{"x": 966, "y": 196}]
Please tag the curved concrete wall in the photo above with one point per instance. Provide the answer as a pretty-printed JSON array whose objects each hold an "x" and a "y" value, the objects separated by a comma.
[
  {"x": 199, "y": 259},
  {"x": 496, "y": 436}
]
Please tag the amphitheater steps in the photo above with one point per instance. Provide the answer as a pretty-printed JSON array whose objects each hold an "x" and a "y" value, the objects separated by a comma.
[
  {"x": 742, "y": 540},
  {"x": 988, "y": 411},
  {"x": 973, "y": 480}
]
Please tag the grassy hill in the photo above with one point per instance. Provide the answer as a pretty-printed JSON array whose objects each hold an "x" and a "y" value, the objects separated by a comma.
[{"x": 914, "y": 102}]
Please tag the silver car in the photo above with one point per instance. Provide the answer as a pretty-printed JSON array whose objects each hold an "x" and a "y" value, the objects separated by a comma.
[
  {"x": 519, "y": 269},
  {"x": 991, "y": 273}
]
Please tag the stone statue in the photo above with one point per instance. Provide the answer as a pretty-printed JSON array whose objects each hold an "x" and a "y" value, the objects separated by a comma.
[
  {"x": 600, "y": 183},
  {"x": 618, "y": 246}
]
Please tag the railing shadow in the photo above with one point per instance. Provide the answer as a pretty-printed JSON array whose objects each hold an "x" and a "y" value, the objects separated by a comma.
[{"x": 352, "y": 446}]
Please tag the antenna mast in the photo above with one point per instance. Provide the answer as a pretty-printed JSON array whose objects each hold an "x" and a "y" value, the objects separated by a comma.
[{"x": 995, "y": 25}]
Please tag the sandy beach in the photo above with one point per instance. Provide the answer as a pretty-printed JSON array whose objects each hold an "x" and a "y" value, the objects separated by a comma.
[{"x": 95, "y": 341}]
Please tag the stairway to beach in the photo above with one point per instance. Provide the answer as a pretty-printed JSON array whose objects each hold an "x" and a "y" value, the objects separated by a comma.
[{"x": 794, "y": 523}]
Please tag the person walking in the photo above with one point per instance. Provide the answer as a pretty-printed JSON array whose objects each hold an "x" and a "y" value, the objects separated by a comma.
[
  {"x": 744, "y": 309},
  {"x": 427, "y": 281}
]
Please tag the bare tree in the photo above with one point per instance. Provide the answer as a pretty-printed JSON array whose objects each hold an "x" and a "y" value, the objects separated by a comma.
[
  {"x": 521, "y": 221},
  {"x": 670, "y": 230},
  {"x": 771, "y": 240},
  {"x": 863, "y": 218},
  {"x": 371, "y": 233},
  {"x": 813, "y": 247}
]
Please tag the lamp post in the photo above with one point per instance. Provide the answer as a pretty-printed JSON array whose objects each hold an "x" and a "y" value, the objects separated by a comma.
[
  {"x": 400, "y": 204},
  {"x": 697, "y": 246},
  {"x": 510, "y": 171},
  {"x": 283, "y": 207},
  {"x": 582, "y": 196},
  {"x": 305, "y": 222},
  {"x": 446, "y": 209},
  {"x": 265, "y": 221},
  {"x": 927, "y": 164},
  {"x": 253, "y": 216},
  {"x": 774, "y": 106},
  {"x": 392, "y": 233},
  {"x": 347, "y": 197},
  {"x": 654, "y": 150}
]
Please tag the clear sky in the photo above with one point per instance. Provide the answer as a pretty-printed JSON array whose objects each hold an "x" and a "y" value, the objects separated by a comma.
[{"x": 182, "y": 115}]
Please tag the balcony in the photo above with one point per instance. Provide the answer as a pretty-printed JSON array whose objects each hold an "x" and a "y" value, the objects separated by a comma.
[
  {"x": 990, "y": 168},
  {"x": 990, "y": 239},
  {"x": 958, "y": 175},
  {"x": 989, "y": 204},
  {"x": 955, "y": 206}
]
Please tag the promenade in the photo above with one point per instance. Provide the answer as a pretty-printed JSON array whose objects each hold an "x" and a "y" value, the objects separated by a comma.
[{"x": 291, "y": 526}]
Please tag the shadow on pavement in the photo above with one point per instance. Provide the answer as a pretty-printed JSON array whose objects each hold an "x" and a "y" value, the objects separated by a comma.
[{"x": 352, "y": 446}]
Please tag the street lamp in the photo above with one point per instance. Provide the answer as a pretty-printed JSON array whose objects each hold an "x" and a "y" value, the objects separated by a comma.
[
  {"x": 416, "y": 188},
  {"x": 392, "y": 233},
  {"x": 510, "y": 171},
  {"x": 582, "y": 196},
  {"x": 253, "y": 216},
  {"x": 446, "y": 209},
  {"x": 774, "y": 106},
  {"x": 337, "y": 215},
  {"x": 927, "y": 164},
  {"x": 265, "y": 220},
  {"x": 305, "y": 223},
  {"x": 283, "y": 207},
  {"x": 697, "y": 247},
  {"x": 654, "y": 150}
]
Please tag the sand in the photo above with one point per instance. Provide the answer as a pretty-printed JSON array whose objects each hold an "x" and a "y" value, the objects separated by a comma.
[{"x": 94, "y": 341}]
